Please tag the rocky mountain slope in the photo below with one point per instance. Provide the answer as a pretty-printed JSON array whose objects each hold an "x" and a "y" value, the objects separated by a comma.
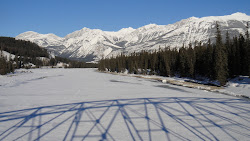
[{"x": 94, "y": 44}]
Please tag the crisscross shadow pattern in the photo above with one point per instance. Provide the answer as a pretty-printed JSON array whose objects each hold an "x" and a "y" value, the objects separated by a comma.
[{"x": 165, "y": 118}]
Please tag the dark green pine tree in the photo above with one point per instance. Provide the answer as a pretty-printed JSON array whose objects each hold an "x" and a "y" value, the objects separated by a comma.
[
  {"x": 243, "y": 55},
  {"x": 248, "y": 49},
  {"x": 181, "y": 63},
  {"x": 220, "y": 59},
  {"x": 231, "y": 55},
  {"x": 191, "y": 61},
  {"x": 237, "y": 56},
  {"x": 208, "y": 63}
]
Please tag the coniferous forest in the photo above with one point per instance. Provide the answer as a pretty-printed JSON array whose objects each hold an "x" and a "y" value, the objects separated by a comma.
[
  {"x": 218, "y": 61},
  {"x": 26, "y": 52}
]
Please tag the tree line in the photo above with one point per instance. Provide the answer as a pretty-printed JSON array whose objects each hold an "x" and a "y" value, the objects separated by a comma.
[
  {"x": 218, "y": 61},
  {"x": 72, "y": 63},
  {"x": 27, "y": 53}
]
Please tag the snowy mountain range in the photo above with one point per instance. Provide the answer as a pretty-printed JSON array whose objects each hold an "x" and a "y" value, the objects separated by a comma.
[{"x": 94, "y": 44}]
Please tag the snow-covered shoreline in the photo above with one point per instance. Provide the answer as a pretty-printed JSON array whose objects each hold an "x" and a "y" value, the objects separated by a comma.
[{"x": 239, "y": 86}]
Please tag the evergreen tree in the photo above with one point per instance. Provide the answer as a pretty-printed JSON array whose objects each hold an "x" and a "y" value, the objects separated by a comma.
[
  {"x": 231, "y": 54},
  {"x": 208, "y": 63},
  {"x": 243, "y": 55},
  {"x": 220, "y": 59},
  {"x": 248, "y": 50},
  {"x": 191, "y": 61}
]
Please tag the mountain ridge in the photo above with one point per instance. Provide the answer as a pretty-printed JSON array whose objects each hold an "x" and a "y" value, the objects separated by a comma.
[{"x": 94, "y": 44}]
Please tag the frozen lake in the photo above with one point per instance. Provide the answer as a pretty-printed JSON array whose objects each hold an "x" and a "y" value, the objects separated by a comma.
[{"x": 82, "y": 104}]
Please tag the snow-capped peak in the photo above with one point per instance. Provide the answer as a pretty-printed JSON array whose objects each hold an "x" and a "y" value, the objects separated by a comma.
[
  {"x": 126, "y": 30},
  {"x": 239, "y": 14},
  {"x": 77, "y": 33},
  {"x": 235, "y": 16},
  {"x": 120, "y": 33},
  {"x": 149, "y": 26},
  {"x": 95, "y": 43},
  {"x": 28, "y": 34},
  {"x": 193, "y": 18},
  {"x": 42, "y": 40}
]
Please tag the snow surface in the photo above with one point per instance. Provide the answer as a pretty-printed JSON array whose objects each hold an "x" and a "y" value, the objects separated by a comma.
[
  {"x": 239, "y": 86},
  {"x": 83, "y": 104},
  {"x": 7, "y": 55}
]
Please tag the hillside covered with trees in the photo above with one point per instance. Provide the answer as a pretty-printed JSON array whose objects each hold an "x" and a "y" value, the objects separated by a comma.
[
  {"x": 218, "y": 61},
  {"x": 27, "y": 54}
]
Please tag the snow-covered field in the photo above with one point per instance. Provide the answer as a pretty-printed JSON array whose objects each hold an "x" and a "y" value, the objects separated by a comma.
[{"x": 82, "y": 104}]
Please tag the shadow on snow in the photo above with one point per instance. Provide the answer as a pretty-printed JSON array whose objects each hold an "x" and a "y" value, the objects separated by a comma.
[{"x": 166, "y": 118}]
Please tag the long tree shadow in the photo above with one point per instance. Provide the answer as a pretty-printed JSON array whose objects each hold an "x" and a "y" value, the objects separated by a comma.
[{"x": 165, "y": 118}]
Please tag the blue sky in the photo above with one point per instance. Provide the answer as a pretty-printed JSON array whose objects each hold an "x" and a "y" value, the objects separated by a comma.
[{"x": 65, "y": 16}]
